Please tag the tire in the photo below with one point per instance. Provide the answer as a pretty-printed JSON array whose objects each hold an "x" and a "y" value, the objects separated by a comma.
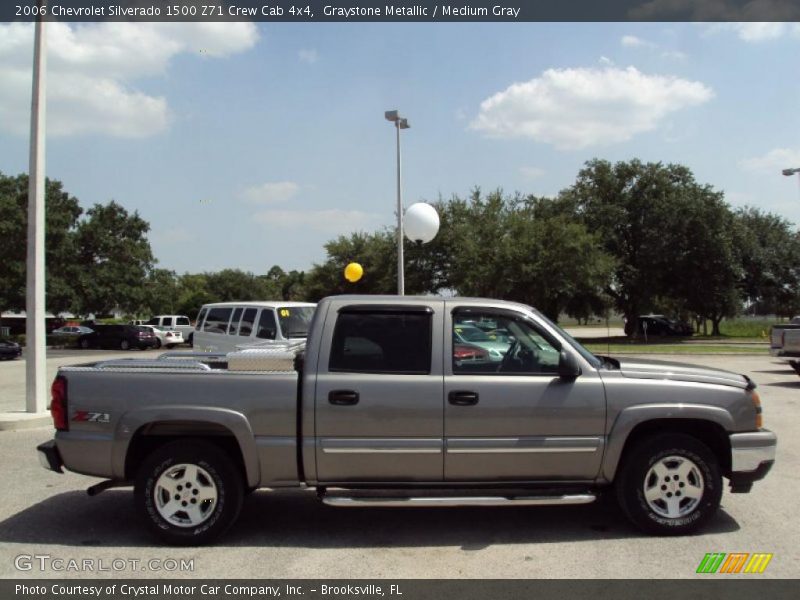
[
  {"x": 689, "y": 486},
  {"x": 84, "y": 343},
  {"x": 158, "y": 343},
  {"x": 191, "y": 340},
  {"x": 181, "y": 464},
  {"x": 170, "y": 346},
  {"x": 124, "y": 345},
  {"x": 795, "y": 364}
]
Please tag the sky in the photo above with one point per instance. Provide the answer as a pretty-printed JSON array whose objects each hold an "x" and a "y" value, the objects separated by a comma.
[{"x": 246, "y": 145}]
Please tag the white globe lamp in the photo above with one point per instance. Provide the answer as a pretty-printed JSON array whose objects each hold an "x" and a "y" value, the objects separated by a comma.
[{"x": 421, "y": 222}]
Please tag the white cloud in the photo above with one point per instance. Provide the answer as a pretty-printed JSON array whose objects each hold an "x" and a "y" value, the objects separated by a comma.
[
  {"x": 532, "y": 172},
  {"x": 773, "y": 162},
  {"x": 331, "y": 221},
  {"x": 631, "y": 41},
  {"x": 604, "y": 60},
  {"x": 577, "y": 108},
  {"x": 271, "y": 193},
  {"x": 92, "y": 68},
  {"x": 756, "y": 32},
  {"x": 674, "y": 54},
  {"x": 309, "y": 56}
]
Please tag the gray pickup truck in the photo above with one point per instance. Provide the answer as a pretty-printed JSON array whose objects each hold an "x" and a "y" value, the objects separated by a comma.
[
  {"x": 389, "y": 406},
  {"x": 785, "y": 343}
]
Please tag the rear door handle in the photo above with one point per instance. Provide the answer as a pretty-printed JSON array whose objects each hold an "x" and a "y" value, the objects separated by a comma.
[
  {"x": 462, "y": 398},
  {"x": 343, "y": 397}
]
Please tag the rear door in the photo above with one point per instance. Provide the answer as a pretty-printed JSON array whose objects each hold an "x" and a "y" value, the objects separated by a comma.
[{"x": 378, "y": 397}]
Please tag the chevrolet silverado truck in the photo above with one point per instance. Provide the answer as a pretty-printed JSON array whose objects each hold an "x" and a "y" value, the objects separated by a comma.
[
  {"x": 379, "y": 411},
  {"x": 785, "y": 343}
]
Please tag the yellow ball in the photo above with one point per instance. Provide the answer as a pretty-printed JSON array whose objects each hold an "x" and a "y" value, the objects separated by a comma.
[{"x": 353, "y": 272}]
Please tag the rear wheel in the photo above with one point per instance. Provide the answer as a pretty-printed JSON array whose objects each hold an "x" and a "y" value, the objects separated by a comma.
[
  {"x": 124, "y": 345},
  {"x": 158, "y": 343},
  {"x": 669, "y": 484},
  {"x": 189, "y": 492},
  {"x": 84, "y": 343}
]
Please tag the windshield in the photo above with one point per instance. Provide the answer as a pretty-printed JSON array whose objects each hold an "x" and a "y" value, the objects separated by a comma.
[
  {"x": 295, "y": 320},
  {"x": 593, "y": 360}
]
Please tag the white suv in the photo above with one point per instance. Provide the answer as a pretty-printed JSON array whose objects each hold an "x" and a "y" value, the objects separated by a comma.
[{"x": 176, "y": 323}]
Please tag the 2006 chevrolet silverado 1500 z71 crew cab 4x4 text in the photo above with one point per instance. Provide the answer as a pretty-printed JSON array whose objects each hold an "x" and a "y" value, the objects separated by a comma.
[{"x": 387, "y": 407}]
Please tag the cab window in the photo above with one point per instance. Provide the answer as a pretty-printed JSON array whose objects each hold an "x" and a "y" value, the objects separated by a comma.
[
  {"x": 382, "y": 342},
  {"x": 501, "y": 343}
]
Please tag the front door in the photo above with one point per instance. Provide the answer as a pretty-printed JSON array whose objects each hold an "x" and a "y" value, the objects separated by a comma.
[
  {"x": 378, "y": 399},
  {"x": 508, "y": 415}
]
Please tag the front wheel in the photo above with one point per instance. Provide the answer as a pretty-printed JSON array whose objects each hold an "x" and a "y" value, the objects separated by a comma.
[
  {"x": 189, "y": 492},
  {"x": 670, "y": 484},
  {"x": 124, "y": 345}
]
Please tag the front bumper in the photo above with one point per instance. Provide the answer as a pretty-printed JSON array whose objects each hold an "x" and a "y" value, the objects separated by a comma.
[
  {"x": 49, "y": 457},
  {"x": 752, "y": 456}
]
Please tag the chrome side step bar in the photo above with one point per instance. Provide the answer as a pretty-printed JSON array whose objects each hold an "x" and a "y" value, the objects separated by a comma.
[{"x": 450, "y": 501}]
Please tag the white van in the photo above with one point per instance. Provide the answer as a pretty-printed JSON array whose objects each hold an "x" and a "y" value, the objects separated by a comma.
[{"x": 223, "y": 326}]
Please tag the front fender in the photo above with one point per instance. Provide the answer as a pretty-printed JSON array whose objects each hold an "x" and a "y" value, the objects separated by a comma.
[
  {"x": 632, "y": 416},
  {"x": 231, "y": 420}
]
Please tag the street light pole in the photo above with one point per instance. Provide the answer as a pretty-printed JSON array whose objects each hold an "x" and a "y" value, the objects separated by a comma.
[
  {"x": 399, "y": 123},
  {"x": 35, "y": 372}
]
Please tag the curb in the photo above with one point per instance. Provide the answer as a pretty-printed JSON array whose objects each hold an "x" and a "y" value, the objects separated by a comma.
[{"x": 14, "y": 421}]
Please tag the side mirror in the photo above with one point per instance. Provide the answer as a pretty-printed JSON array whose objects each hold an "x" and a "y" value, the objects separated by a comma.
[{"x": 568, "y": 367}]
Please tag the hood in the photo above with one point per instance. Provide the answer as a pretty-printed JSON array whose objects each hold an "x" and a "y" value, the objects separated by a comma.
[{"x": 658, "y": 369}]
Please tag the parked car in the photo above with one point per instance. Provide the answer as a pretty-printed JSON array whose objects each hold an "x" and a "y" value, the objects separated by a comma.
[
  {"x": 123, "y": 337},
  {"x": 165, "y": 337},
  {"x": 469, "y": 353},
  {"x": 466, "y": 333},
  {"x": 9, "y": 350},
  {"x": 785, "y": 343},
  {"x": 71, "y": 330},
  {"x": 659, "y": 326},
  {"x": 175, "y": 323}
]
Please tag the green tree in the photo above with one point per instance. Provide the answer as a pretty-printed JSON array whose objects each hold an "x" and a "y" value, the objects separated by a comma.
[
  {"x": 114, "y": 258},
  {"x": 193, "y": 293},
  {"x": 231, "y": 285},
  {"x": 375, "y": 252},
  {"x": 160, "y": 294},
  {"x": 61, "y": 217},
  {"x": 769, "y": 248},
  {"x": 642, "y": 213}
]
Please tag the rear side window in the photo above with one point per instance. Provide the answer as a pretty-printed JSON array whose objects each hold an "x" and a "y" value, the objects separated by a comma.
[
  {"x": 217, "y": 320},
  {"x": 382, "y": 342},
  {"x": 246, "y": 327},
  {"x": 200, "y": 318},
  {"x": 267, "y": 326},
  {"x": 182, "y": 321},
  {"x": 234, "y": 326}
]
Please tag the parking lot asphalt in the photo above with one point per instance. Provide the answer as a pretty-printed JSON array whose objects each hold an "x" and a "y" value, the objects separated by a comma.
[{"x": 292, "y": 535}]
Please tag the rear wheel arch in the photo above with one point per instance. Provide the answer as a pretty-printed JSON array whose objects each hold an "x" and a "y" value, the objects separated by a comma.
[{"x": 151, "y": 436}]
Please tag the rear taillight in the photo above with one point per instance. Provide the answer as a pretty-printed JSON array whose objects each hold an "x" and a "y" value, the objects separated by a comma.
[{"x": 58, "y": 404}]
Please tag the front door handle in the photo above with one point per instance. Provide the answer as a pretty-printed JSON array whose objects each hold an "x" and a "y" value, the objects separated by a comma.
[
  {"x": 343, "y": 397},
  {"x": 462, "y": 398}
]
